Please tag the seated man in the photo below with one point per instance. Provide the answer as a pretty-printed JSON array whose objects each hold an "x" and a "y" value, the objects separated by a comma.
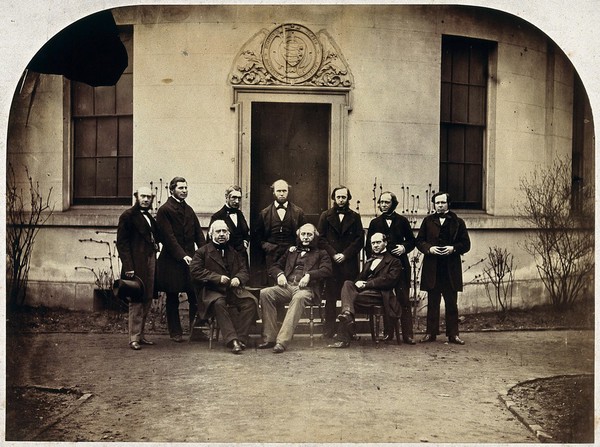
[
  {"x": 222, "y": 271},
  {"x": 298, "y": 274},
  {"x": 375, "y": 285}
]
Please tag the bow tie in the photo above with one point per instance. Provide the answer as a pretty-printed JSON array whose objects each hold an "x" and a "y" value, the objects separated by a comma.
[
  {"x": 302, "y": 248},
  {"x": 281, "y": 207},
  {"x": 231, "y": 211},
  {"x": 342, "y": 211},
  {"x": 146, "y": 212},
  {"x": 372, "y": 258}
]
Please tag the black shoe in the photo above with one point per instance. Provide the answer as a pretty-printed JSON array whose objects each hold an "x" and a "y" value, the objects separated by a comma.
[
  {"x": 135, "y": 345},
  {"x": 456, "y": 340},
  {"x": 428, "y": 338},
  {"x": 266, "y": 345},
  {"x": 176, "y": 338},
  {"x": 143, "y": 341},
  {"x": 236, "y": 347},
  {"x": 409, "y": 341},
  {"x": 339, "y": 344},
  {"x": 387, "y": 337},
  {"x": 345, "y": 317},
  {"x": 242, "y": 344}
]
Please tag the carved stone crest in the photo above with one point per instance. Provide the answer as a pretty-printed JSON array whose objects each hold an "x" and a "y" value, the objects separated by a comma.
[{"x": 291, "y": 54}]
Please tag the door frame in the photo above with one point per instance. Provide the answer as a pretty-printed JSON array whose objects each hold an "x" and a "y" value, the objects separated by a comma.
[{"x": 340, "y": 102}]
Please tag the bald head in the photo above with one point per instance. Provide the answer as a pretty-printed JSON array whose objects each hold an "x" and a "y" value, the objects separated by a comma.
[{"x": 280, "y": 189}]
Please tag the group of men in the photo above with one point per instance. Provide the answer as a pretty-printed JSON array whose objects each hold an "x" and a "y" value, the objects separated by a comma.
[{"x": 306, "y": 264}]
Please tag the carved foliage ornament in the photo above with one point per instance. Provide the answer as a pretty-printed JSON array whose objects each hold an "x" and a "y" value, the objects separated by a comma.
[{"x": 291, "y": 54}]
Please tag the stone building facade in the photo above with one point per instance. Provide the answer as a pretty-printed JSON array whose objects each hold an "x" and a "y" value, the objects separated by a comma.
[{"x": 411, "y": 99}]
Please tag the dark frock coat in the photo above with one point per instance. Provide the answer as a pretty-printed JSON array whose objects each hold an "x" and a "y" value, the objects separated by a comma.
[
  {"x": 346, "y": 237},
  {"x": 180, "y": 232},
  {"x": 265, "y": 222},
  {"x": 316, "y": 263},
  {"x": 428, "y": 236},
  {"x": 398, "y": 233},
  {"x": 135, "y": 245},
  {"x": 384, "y": 279},
  {"x": 238, "y": 233},
  {"x": 206, "y": 269}
]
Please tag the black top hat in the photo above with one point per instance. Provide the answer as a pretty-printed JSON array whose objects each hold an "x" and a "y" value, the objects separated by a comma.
[{"x": 129, "y": 288}]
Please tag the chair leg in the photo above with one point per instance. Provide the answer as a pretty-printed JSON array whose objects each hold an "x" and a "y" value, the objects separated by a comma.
[
  {"x": 372, "y": 327},
  {"x": 311, "y": 325},
  {"x": 192, "y": 328}
]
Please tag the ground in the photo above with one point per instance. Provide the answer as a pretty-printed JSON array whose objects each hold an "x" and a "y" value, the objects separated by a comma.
[{"x": 562, "y": 405}]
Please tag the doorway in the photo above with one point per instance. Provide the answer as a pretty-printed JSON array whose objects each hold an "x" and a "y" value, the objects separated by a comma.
[{"x": 290, "y": 141}]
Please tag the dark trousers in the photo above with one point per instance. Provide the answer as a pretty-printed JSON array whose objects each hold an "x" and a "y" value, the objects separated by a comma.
[
  {"x": 406, "y": 320},
  {"x": 234, "y": 316},
  {"x": 333, "y": 288},
  {"x": 172, "y": 310},
  {"x": 351, "y": 295},
  {"x": 433, "y": 311}
]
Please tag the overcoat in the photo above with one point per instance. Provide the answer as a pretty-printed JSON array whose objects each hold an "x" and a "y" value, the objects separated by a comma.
[
  {"x": 346, "y": 237},
  {"x": 206, "y": 269},
  {"x": 316, "y": 263},
  {"x": 136, "y": 242},
  {"x": 429, "y": 235},
  {"x": 238, "y": 233},
  {"x": 398, "y": 233},
  {"x": 180, "y": 232},
  {"x": 384, "y": 278}
]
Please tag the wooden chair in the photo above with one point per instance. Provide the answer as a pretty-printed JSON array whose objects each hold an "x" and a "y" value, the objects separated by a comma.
[{"x": 375, "y": 314}]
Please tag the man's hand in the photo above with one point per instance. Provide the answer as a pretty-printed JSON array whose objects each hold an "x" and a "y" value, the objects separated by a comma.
[
  {"x": 187, "y": 259},
  {"x": 225, "y": 279},
  {"x": 130, "y": 274},
  {"x": 235, "y": 282},
  {"x": 442, "y": 251},
  {"x": 360, "y": 284},
  {"x": 304, "y": 281},
  {"x": 282, "y": 281},
  {"x": 398, "y": 250},
  {"x": 339, "y": 258}
]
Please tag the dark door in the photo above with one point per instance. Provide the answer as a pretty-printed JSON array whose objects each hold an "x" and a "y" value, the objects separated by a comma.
[{"x": 289, "y": 141}]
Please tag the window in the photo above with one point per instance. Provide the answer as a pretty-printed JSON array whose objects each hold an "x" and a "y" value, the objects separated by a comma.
[
  {"x": 463, "y": 119},
  {"x": 102, "y": 122}
]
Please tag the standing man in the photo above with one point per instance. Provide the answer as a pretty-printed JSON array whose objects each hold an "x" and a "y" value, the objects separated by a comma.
[
  {"x": 277, "y": 224},
  {"x": 342, "y": 237},
  {"x": 235, "y": 220},
  {"x": 180, "y": 233},
  {"x": 137, "y": 243},
  {"x": 374, "y": 286},
  {"x": 221, "y": 271},
  {"x": 298, "y": 273},
  {"x": 442, "y": 238},
  {"x": 401, "y": 241}
]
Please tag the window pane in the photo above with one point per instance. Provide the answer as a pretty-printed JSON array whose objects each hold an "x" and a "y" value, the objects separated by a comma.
[
  {"x": 125, "y": 167},
  {"x": 477, "y": 67},
  {"x": 106, "y": 177},
  {"x": 443, "y": 143},
  {"x": 85, "y": 137},
  {"x": 124, "y": 92},
  {"x": 456, "y": 175},
  {"x": 460, "y": 65},
  {"x": 476, "y": 105},
  {"x": 126, "y": 135},
  {"x": 460, "y": 103},
  {"x": 446, "y": 102},
  {"x": 83, "y": 99},
  {"x": 85, "y": 173},
  {"x": 473, "y": 182},
  {"x": 107, "y": 137},
  {"x": 456, "y": 144},
  {"x": 105, "y": 100},
  {"x": 474, "y": 145}
]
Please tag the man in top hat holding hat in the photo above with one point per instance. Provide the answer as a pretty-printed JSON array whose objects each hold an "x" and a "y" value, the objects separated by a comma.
[{"x": 137, "y": 243}]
